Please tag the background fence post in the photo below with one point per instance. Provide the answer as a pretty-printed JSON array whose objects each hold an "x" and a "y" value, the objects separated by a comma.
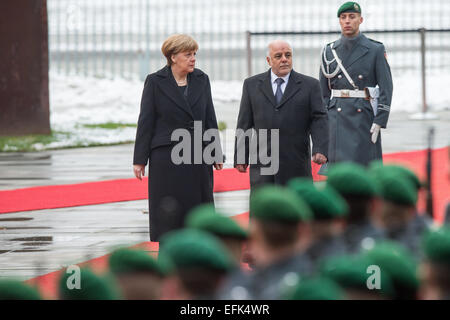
[
  {"x": 423, "y": 66},
  {"x": 249, "y": 53}
]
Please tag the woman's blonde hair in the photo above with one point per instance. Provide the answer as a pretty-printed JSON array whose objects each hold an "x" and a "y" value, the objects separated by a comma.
[{"x": 178, "y": 43}]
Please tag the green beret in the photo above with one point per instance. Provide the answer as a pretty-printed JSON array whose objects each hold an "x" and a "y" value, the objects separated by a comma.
[
  {"x": 436, "y": 245},
  {"x": 396, "y": 188},
  {"x": 275, "y": 203},
  {"x": 17, "y": 290},
  {"x": 377, "y": 166},
  {"x": 349, "y": 7},
  {"x": 318, "y": 288},
  {"x": 325, "y": 203},
  {"x": 351, "y": 272},
  {"x": 206, "y": 218},
  {"x": 351, "y": 179},
  {"x": 127, "y": 260},
  {"x": 394, "y": 259},
  {"x": 190, "y": 248},
  {"x": 92, "y": 286}
]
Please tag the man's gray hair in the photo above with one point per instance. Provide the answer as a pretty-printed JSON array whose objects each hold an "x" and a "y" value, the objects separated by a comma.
[{"x": 276, "y": 40}]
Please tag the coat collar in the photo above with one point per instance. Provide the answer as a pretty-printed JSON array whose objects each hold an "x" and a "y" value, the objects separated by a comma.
[
  {"x": 291, "y": 88},
  {"x": 168, "y": 85},
  {"x": 360, "y": 49}
]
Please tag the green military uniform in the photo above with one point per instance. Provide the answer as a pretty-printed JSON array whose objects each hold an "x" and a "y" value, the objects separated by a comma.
[{"x": 350, "y": 115}]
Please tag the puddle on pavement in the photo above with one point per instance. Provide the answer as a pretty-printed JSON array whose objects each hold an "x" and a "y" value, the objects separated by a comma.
[
  {"x": 15, "y": 219},
  {"x": 34, "y": 239},
  {"x": 35, "y": 244},
  {"x": 25, "y": 228},
  {"x": 29, "y": 250}
]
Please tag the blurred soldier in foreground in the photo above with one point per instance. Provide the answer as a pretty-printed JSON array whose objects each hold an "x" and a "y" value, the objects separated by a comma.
[
  {"x": 352, "y": 274},
  {"x": 318, "y": 288},
  {"x": 17, "y": 290},
  {"x": 397, "y": 214},
  {"x": 198, "y": 264},
  {"x": 356, "y": 85},
  {"x": 91, "y": 286},
  {"x": 139, "y": 275},
  {"x": 435, "y": 269},
  {"x": 360, "y": 191},
  {"x": 399, "y": 264},
  {"x": 206, "y": 218},
  {"x": 279, "y": 239},
  {"x": 329, "y": 210}
]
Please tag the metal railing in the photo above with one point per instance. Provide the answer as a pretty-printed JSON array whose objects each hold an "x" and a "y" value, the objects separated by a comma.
[
  {"x": 421, "y": 32},
  {"x": 122, "y": 38}
]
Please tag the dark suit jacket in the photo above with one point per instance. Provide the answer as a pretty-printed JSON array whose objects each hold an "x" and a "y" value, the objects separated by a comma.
[{"x": 300, "y": 115}]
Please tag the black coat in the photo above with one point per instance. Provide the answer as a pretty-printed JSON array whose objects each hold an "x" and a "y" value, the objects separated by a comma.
[
  {"x": 173, "y": 189},
  {"x": 300, "y": 115}
]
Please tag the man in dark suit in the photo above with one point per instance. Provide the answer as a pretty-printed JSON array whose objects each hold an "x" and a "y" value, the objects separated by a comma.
[{"x": 290, "y": 102}]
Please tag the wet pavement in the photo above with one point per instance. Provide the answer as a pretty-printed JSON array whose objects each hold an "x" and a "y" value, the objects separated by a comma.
[{"x": 38, "y": 242}]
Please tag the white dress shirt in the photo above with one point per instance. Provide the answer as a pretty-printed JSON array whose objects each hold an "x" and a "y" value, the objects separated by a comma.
[{"x": 274, "y": 77}]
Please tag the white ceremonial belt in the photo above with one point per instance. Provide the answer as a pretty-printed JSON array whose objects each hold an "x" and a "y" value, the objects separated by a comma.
[{"x": 348, "y": 93}]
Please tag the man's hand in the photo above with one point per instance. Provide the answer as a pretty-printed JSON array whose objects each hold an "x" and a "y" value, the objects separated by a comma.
[
  {"x": 375, "y": 130},
  {"x": 241, "y": 167},
  {"x": 218, "y": 166},
  {"x": 139, "y": 170},
  {"x": 319, "y": 158}
]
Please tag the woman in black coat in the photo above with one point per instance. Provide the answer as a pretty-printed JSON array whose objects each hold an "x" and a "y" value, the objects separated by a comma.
[{"x": 176, "y": 97}]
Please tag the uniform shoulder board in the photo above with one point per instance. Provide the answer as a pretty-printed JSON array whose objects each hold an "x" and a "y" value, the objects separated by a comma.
[{"x": 375, "y": 41}]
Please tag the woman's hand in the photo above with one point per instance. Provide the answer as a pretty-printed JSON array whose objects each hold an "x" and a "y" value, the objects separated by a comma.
[
  {"x": 139, "y": 170},
  {"x": 218, "y": 166}
]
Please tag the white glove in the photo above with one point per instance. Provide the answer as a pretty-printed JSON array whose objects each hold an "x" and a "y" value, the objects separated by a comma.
[{"x": 375, "y": 130}]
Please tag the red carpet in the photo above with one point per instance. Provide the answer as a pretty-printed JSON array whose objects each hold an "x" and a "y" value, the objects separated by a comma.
[
  {"x": 72, "y": 195},
  {"x": 48, "y": 283},
  {"x": 60, "y": 196}
]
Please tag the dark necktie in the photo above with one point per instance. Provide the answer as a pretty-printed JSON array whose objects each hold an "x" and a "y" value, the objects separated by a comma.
[{"x": 278, "y": 93}]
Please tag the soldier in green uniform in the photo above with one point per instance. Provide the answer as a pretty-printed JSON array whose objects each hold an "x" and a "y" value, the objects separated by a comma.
[
  {"x": 11, "y": 289},
  {"x": 279, "y": 239},
  {"x": 435, "y": 269},
  {"x": 197, "y": 264},
  {"x": 359, "y": 189},
  {"x": 205, "y": 217},
  {"x": 138, "y": 274},
  {"x": 397, "y": 214},
  {"x": 329, "y": 211},
  {"x": 91, "y": 286},
  {"x": 395, "y": 260},
  {"x": 356, "y": 86}
]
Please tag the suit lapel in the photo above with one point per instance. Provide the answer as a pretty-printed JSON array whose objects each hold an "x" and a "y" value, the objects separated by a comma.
[
  {"x": 266, "y": 87},
  {"x": 169, "y": 87},
  {"x": 358, "y": 51},
  {"x": 195, "y": 88},
  {"x": 291, "y": 89}
]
